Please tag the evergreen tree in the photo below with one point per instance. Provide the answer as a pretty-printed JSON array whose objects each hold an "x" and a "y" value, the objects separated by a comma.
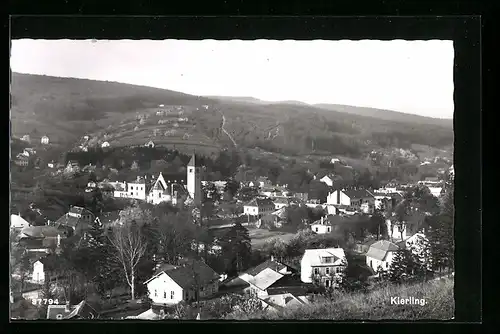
[
  {"x": 404, "y": 267},
  {"x": 236, "y": 249}
]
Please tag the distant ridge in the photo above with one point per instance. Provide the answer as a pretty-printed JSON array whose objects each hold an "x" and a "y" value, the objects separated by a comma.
[{"x": 388, "y": 115}]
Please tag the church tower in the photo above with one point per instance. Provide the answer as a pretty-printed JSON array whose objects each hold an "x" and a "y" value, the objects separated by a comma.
[{"x": 194, "y": 180}]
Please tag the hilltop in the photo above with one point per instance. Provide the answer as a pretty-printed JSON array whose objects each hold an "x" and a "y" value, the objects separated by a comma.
[{"x": 66, "y": 109}]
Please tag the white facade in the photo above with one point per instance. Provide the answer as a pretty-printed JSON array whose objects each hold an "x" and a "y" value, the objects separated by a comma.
[
  {"x": 44, "y": 140},
  {"x": 105, "y": 144},
  {"x": 136, "y": 190},
  {"x": 384, "y": 264},
  {"x": 38, "y": 275},
  {"x": 18, "y": 222},
  {"x": 321, "y": 228},
  {"x": 164, "y": 290},
  {"x": 436, "y": 191},
  {"x": 194, "y": 183},
  {"x": 321, "y": 263},
  {"x": 338, "y": 198}
]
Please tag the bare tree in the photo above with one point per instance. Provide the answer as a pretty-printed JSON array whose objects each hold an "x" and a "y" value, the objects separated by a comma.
[{"x": 130, "y": 245}]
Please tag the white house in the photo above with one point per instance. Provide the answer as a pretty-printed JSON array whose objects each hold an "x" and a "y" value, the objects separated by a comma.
[
  {"x": 51, "y": 164},
  {"x": 334, "y": 160},
  {"x": 150, "y": 144},
  {"x": 328, "y": 180},
  {"x": 436, "y": 191},
  {"x": 281, "y": 202},
  {"x": 322, "y": 226},
  {"x": 380, "y": 255},
  {"x": 42, "y": 269},
  {"x": 105, "y": 144},
  {"x": 18, "y": 222},
  {"x": 321, "y": 265},
  {"x": 26, "y": 138},
  {"x": 44, "y": 140},
  {"x": 258, "y": 207},
  {"x": 161, "y": 191},
  {"x": 189, "y": 282},
  {"x": 77, "y": 218},
  {"x": 362, "y": 199},
  {"x": 137, "y": 189}
]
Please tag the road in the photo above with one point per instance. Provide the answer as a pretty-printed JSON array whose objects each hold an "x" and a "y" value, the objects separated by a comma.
[{"x": 224, "y": 130}]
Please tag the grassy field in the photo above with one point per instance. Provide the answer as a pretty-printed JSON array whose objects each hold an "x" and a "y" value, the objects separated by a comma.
[
  {"x": 374, "y": 305},
  {"x": 261, "y": 236}
]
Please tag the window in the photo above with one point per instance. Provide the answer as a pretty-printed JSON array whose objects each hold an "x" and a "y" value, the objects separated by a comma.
[
  {"x": 156, "y": 293},
  {"x": 316, "y": 229},
  {"x": 386, "y": 265},
  {"x": 164, "y": 294},
  {"x": 328, "y": 229},
  {"x": 371, "y": 263},
  {"x": 171, "y": 295},
  {"x": 327, "y": 259},
  {"x": 327, "y": 283},
  {"x": 327, "y": 270},
  {"x": 190, "y": 170},
  {"x": 316, "y": 271},
  {"x": 201, "y": 288},
  {"x": 131, "y": 188}
]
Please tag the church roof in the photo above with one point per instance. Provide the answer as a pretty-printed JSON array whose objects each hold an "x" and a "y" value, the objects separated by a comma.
[{"x": 193, "y": 162}]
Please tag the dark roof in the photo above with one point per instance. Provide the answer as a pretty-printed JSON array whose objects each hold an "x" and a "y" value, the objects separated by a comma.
[
  {"x": 282, "y": 200},
  {"x": 192, "y": 272},
  {"x": 109, "y": 217},
  {"x": 83, "y": 311},
  {"x": 361, "y": 193},
  {"x": 260, "y": 202},
  {"x": 49, "y": 262},
  {"x": 78, "y": 210},
  {"x": 274, "y": 265}
]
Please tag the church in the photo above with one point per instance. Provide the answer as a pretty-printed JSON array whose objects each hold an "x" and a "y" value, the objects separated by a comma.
[{"x": 162, "y": 191}]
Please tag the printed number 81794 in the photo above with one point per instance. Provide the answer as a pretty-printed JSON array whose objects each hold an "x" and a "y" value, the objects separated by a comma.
[{"x": 44, "y": 301}]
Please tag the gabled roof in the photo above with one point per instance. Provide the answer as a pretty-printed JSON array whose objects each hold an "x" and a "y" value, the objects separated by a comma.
[
  {"x": 40, "y": 231},
  {"x": 282, "y": 200},
  {"x": 361, "y": 193},
  {"x": 260, "y": 202},
  {"x": 380, "y": 249},
  {"x": 265, "y": 278},
  {"x": 315, "y": 255},
  {"x": 18, "y": 221},
  {"x": 269, "y": 264},
  {"x": 83, "y": 311},
  {"x": 78, "y": 210},
  {"x": 189, "y": 274},
  {"x": 67, "y": 220}
]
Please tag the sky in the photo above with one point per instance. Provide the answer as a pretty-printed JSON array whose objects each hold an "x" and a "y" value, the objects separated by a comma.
[{"x": 408, "y": 76}]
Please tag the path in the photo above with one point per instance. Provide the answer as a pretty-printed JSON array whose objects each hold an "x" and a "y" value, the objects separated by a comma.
[{"x": 224, "y": 130}]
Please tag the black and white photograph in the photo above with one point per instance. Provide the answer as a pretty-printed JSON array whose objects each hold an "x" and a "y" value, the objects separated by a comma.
[{"x": 232, "y": 180}]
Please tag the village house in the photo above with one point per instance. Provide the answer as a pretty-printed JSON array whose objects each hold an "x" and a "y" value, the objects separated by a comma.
[
  {"x": 328, "y": 179},
  {"x": 72, "y": 166},
  {"x": 334, "y": 161},
  {"x": 276, "y": 219},
  {"x": 105, "y": 144},
  {"x": 22, "y": 160},
  {"x": 51, "y": 164},
  {"x": 26, "y": 138},
  {"x": 40, "y": 239},
  {"x": 263, "y": 181},
  {"x": 322, "y": 266},
  {"x": 137, "y": 189},
  {"x": 43, "y": 269},
  {"x": 362, "y": 199},
  {"x": 276, "y": 303},
  {"x": 161, "y": 192},
  {"x": 17, "y": 222},
  {"x": 322, "y": 226},
  {"x": 77, "y": 220},
  {"x": 258, "y": 207},
  {"x": 282, "y": 202},
  {"x": 243, "y": 282},
  {"x": 82, "y": 311},
  {"x": 380, "y": 255},
  {"x": 190, "y": 281},
  {"x": 395, "y": 230},
  {"x": 150, "y": 144},
  {"x": 303, "y": 197},
  {"x": 437, "y": 191},
  {"x": 45, "y": 140}
]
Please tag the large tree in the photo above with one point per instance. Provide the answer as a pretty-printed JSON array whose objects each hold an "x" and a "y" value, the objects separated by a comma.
[
  {"x": 174, "y": 234},
  {"x": 129, "y": 248},
  {"x": 236, "y": 249}
]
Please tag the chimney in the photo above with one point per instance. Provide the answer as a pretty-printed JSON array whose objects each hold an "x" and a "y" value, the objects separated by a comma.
[{"x": 68, "y": 307}]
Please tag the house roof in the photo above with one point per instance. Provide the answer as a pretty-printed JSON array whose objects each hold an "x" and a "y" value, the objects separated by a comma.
[
  {"x": 189, "y": 274},
  {"x": 109, "y": 217},
  {"x": 269, "y": 264},
  {"x": 380, "y": 249},
  {"x": 40, "y": 231},
  {"x": 265, "y": 278},
  {"x": 360, "y": 193},
  {"x": 260, "y": 202},
  {"x": 67, "y": 220},
  {"x": 18, "y": 221},
  {"x": 57, "y": 312},
  {"x": 83, "y": 311},
  {"x": 315, "y": 255},
  {"x": 282, "y": 200}
]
